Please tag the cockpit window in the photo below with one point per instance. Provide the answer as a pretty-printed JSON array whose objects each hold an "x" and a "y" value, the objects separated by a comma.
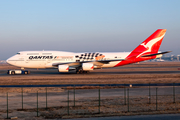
[{"x": 18, "y": 53}]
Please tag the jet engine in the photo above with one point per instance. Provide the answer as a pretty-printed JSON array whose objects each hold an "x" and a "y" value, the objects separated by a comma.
[
  {"x": 87, "y": 66},
  {"x": 63, "y": 68}
]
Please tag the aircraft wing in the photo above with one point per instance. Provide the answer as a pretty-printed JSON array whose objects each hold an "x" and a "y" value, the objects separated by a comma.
[
  {"x": 101, "y": 62},
  {"x": 95, "y": 62}
]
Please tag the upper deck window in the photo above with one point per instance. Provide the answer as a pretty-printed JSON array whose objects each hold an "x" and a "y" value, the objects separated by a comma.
[
  {"x": 46, "y": 53},
  {"x": 32, "y": 53}
]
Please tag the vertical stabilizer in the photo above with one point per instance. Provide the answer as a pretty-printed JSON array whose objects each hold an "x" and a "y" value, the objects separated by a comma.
[{"x": 150, "y": 46}]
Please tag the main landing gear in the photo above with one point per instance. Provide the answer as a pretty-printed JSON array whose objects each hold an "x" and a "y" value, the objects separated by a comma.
[{"x": 80, "y": 71}]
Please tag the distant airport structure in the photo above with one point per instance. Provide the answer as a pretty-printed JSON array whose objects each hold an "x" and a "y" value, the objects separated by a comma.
[
  {"x": 2, "y": 61},
  {"x": 167, "y": 58}
]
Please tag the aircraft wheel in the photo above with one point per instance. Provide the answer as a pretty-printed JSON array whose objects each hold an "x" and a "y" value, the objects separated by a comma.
[
  {"x": 13, "y": 73},
  {"x": 81, "y": 72},
  {"x": 85, "y": 71},
  {"x": 78, "y": 71}
]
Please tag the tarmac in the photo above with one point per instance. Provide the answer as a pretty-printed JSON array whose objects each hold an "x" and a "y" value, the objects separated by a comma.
[{"x": 143, "y": 73}]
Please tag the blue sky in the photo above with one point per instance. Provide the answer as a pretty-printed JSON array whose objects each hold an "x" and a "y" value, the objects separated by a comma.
[{"x": 86, "y": 25}]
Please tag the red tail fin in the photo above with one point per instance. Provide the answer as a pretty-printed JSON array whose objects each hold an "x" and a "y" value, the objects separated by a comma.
[{"x": 150, "y": 46}]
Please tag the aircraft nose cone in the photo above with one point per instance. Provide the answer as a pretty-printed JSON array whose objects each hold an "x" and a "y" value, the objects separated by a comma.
[{"x": 7, "y": 61}]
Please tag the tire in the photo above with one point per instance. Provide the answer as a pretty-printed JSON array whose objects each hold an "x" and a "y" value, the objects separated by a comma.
[
  {"x": 13, "y": 73},
  {"x": 81, "y": 72},
  {"x": 78, "y": 71},
  {"x": 26, "y": 72}
]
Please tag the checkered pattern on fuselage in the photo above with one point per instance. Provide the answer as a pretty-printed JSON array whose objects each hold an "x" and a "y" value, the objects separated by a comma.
[{"x": 88, "y": 56}]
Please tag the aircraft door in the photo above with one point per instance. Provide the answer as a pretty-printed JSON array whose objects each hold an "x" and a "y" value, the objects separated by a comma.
[{"x": 26, "y": 59}]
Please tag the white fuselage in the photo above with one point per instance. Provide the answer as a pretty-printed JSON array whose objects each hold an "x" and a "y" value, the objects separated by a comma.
[
  {"x": 46, "y": 59},
  {"x": 87, "y": 61}
]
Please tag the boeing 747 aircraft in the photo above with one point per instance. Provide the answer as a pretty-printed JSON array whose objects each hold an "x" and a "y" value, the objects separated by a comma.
[{"x": 88, "y": 61}]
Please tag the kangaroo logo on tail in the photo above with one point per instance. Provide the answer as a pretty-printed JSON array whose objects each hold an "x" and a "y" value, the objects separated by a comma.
[
  {"x": 148, "y": 45},
  {"x": 147, "y": 50}
]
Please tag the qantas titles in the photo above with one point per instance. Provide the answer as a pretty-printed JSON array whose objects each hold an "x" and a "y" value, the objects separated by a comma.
[
  {"x": 41, "y": 57},
  {"x": 50, "y": 57}
]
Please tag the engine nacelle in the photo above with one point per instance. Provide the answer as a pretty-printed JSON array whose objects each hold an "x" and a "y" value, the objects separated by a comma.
[
  {"x": 63, "y": 68},
  {"x": 87, "y": 66}
]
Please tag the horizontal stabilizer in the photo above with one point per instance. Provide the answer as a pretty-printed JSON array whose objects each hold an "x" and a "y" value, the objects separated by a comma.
[{"x": 149, "y": 55}]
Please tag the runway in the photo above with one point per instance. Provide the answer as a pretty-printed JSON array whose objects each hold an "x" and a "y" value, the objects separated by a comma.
[
  {"x": 141, "y": 68},
  {"x": 142, "y": 73},
  {"x": 118, "y": 70}
]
